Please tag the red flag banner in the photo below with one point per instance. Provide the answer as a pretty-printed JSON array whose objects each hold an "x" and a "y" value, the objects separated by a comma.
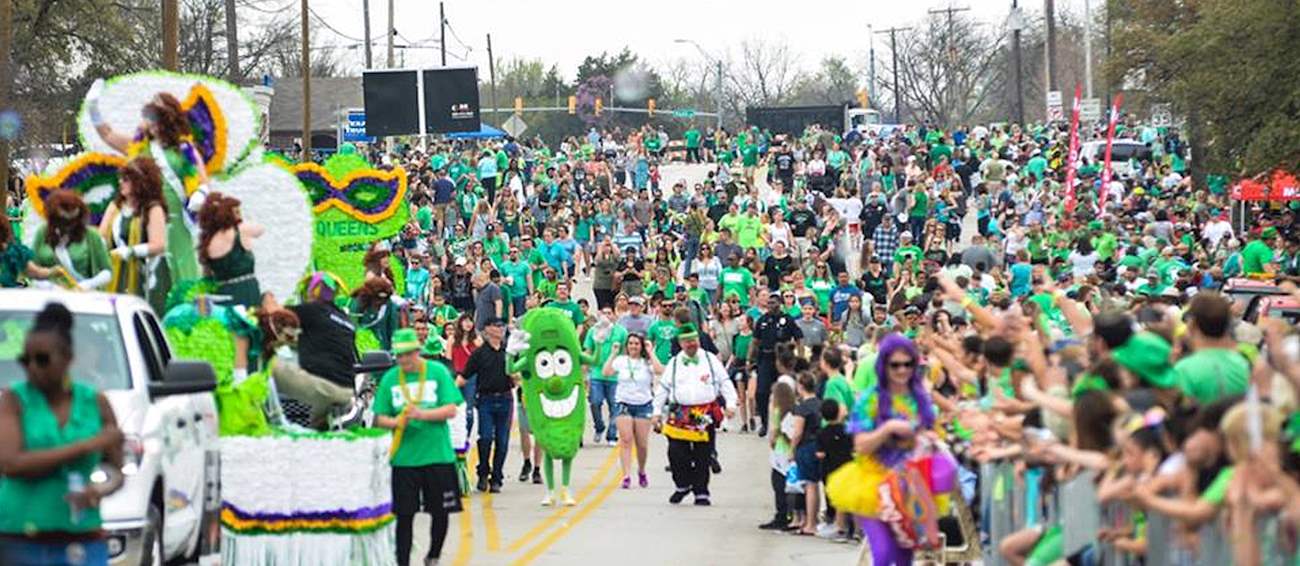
[
  {"x": 1074, "y": 151},
  {"x": 1110, "y": 140}
]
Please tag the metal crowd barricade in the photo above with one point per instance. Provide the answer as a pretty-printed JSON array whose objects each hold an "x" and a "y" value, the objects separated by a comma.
[
  {"x": 1160, "y": 540},
  {"x": 1080, "y": 525},
  {"x": 997, "y": 487},
  {"x": 1215, "y": 548}
]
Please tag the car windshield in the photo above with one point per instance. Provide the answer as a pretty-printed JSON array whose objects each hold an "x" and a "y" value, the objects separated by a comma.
[{"x": 100, "y": 356}]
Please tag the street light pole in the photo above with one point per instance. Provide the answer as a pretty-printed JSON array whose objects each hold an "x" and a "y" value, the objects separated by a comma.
[
  {"x": 306, "y": 88},
  {"x": 1087, "y": 47},
  {"x": 1017, "y": 23}
]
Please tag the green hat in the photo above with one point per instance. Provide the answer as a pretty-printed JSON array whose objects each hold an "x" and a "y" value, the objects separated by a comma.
[
  {"x": 433, "y": 347},
  {"x": 1095, "y": 225},
  {"x": 687, "y": 331},
  {"x": 1147, "y": 355},
  {"x": 405, "y": 341},
  {"x": 1269, "y": 233}
]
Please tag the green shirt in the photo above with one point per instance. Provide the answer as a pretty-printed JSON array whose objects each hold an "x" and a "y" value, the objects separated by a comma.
[
  {"x": 821, "y": 288},
  {"x": 747, "y": 230},
  {"x": 37, "y": 505},
  {"x": 518, "y": 271},
  {"x": 423, "y": 442},
  {"x": 1212, "y": 374},
  {"x": 495, "y": 248},
  {"x": 602, "y": 351},
  {"x": 922, "y": 206},
  {"x": 440, "y": 316},
  {"x": 1218, "y": 490},
  {"x": 662, "y": 333},
  {"x": 575, "y": 311},
  {"x": 903, "y": 251},
  {"x": 737, "y": 280},
  {"x": 692, "y": 138},
  {"x": 740, "y": 346},
  {"x": 838, "y": 388},
  {"x": 749, "y": 155},
  {"x": 1255, "y": 256}
]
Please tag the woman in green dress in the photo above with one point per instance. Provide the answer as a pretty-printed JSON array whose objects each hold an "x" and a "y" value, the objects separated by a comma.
[
  {"x": 15, "y": 258},
  {"x": 56, "y": 437},
  {"x": 165, "y": 135},
  {"x": 73, "y": 256},
  {"x": 135, "y": 228},
  {"x": 373, "y": 309},
  {"x": 224, "y": 240}
]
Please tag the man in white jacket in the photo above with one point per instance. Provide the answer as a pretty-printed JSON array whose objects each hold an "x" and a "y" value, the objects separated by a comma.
[{"x": 687, "y": 411}]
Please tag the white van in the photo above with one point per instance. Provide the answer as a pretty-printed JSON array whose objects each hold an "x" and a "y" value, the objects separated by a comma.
[
  {"x": 1121, "y": 151},
  {"x": 168, "y": 508}
]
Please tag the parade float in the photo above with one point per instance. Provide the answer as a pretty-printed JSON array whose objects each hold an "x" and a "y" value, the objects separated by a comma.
[{"x": 277, "y": 506}]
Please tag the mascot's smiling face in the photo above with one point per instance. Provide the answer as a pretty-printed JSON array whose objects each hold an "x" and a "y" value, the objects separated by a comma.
[{"x": 554, "y": 395}]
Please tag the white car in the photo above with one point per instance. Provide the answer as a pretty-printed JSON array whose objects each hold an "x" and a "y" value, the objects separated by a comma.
[
  {"x": 1121, "y": 151},
  {"x": 168, "y": 507}
]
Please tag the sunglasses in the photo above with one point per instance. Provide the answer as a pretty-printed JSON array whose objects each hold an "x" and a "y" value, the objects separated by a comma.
[
  {"x": 902, "y": 365},
  {"x": 39, "y": 359}
]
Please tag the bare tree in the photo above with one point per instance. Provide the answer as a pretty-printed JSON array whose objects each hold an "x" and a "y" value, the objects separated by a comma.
[
  {"x": 766, "y": 73},
  {"x": 948, "y": 72}
]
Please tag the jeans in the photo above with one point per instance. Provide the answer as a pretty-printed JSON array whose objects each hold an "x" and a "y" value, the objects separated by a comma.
[
  {"x": 691, "y": 252},
  {"x": 493, "y": 435},
  {"x": 917, "y": 226},
  {"x": 30, "y": 553},
  {"x": 602, "y": 393},
  {"x": 517, "y": 306},
  {"x": 469, "y": 392}
]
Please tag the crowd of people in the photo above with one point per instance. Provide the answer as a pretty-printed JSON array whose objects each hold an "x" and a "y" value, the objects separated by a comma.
[{"x": 866, "y": 303}]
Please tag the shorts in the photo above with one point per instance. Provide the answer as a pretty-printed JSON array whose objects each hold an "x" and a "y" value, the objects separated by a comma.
[
  {"x": 739, "y": 373},
  {"x": 522, "y": 417},
  {"x": 810, "y": 468},
  {"x": 641, "y": 411},
  {"x": 434, "y": 488}
]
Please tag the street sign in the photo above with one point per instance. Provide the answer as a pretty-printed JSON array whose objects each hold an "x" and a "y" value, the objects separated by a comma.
[
  {"x": 1055, "y": 111},
  {"x": 684, "y": 113},
  {"x": 515, "y": 126},
  {"x": 354, "y": 127},
  {"x": 1090, "y": 109}
]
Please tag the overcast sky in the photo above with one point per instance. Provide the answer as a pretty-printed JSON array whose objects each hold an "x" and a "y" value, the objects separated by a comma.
[{"x": 565, "y": 31}]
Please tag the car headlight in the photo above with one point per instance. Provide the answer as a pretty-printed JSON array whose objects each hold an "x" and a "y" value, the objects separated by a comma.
[{"x": 132, "y": 454}]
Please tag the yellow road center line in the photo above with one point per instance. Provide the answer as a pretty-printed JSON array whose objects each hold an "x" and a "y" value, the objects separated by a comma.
[
  {"x": 490, "y": 521},
  {"x": 586, "y": 509},
  {"x": 466, "y": 547},
  {"x": 550, "y": 521}
]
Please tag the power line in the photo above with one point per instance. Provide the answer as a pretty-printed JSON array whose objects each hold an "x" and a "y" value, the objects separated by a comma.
[
  {"x": 331, "y": 28},
  {"x": 249, "y": 4}
]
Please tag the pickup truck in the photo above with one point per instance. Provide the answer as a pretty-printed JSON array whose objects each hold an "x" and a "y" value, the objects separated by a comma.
[{"x": 167, "y": 509}]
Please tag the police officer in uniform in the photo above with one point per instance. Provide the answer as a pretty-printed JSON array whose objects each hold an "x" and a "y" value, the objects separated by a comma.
[{"x": 774, "y": 328}]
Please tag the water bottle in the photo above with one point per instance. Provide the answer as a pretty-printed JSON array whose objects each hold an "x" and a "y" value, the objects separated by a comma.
[{"x": 76, "y": 484}]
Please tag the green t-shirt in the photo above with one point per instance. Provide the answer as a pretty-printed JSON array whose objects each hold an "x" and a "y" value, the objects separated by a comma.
[
  {"x": 1254, "y": 256},
  {"x": 440, "y": 316},
  {"x": 740, "y": 346},
  {"x": 575, "y": 311},
  {"x": 821, "y": 288},
  {"x": 547, "y": 288},
  {"x": 602, "y": 351},
  {"x": 424, "y": 217},
  {"x": 922, "y": 206},
  {"x": 838, "y": 388},
  {"x": 692, "y": 138},
  {"x": 749, "y": 155},
  {"x": 903, "y": 251},
  {"x": 747, "y": 231},
  {"x": 1212, "y": 374},
  {"x": 737, "y": 280},
  {"x": 423, "y": 442},
  {"x": 651, "y": 142},
  {"x": 519, "y": 271},
  {"x": 1218, "y": 489},
  {"x": 837, "y": 159},
  {"x": 669, "y": 290},
  {"x": 662, "y": 333},
  {"x": 496, "y": 248}
]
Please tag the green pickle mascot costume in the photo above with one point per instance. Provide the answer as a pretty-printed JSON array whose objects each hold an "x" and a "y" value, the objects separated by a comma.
[{"x": 549, "y": 359}]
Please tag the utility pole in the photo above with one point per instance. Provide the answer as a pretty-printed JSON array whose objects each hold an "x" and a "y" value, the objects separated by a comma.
[
  {"x": 948, "y": 91},
  {"x": 492, "y": 73},
  {"x": 442, "y": 33},
  {"x": 1049, "y": 15},
  {"x": 871, "y": 70},
  {"x": 1017, "y": 23},
  {"x": 306, "y": 87},
  {"x": 171, "y": 24},
  {"x": 717, "y": 97},
  {"x": 893, "y": 48},
  {"x": 391, "y": 32},
  {"x": 1087, "y": 48},
  {"x": 232, "y": 41},
  {"x": 6, "y": 85},
  {"x": 365, "y": 20}
]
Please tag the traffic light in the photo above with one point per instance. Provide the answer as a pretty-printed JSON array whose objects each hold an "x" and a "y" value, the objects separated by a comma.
[
  {"x": 600, "y": 105},
  {"x": 863, "y": 101},
  {"x": 573, "y": 105},
  {"x": 650, "y": 107},
  {"x": 519, "y": 105}
]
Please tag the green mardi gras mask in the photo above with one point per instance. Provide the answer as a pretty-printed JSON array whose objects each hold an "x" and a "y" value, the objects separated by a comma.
[{"x": 554, "y": 395}]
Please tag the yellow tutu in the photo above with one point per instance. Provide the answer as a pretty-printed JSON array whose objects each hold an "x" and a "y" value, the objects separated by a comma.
[{"x": 853, "y": 487}]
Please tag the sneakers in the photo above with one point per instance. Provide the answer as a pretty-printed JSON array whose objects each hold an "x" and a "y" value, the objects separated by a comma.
[
  {"x": 482, "y": 484},
  {"x": 678, "y": 496},
  {"x": 495, "y": 487},
  {"x": 702, "y": 500},
  {"x": 714, "y": 465},
  {"x": 566, "y": 497},
  {"x": 643, "y": 479},
  {"x": 537, "y": 477},
  {"x": 526, "y": 471},
  {"x": 548, "y": 500},
  {"x": 627, "y": 482},
  {"x": 773, "y": 525},
  {"x": 828, "y": 531}
]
